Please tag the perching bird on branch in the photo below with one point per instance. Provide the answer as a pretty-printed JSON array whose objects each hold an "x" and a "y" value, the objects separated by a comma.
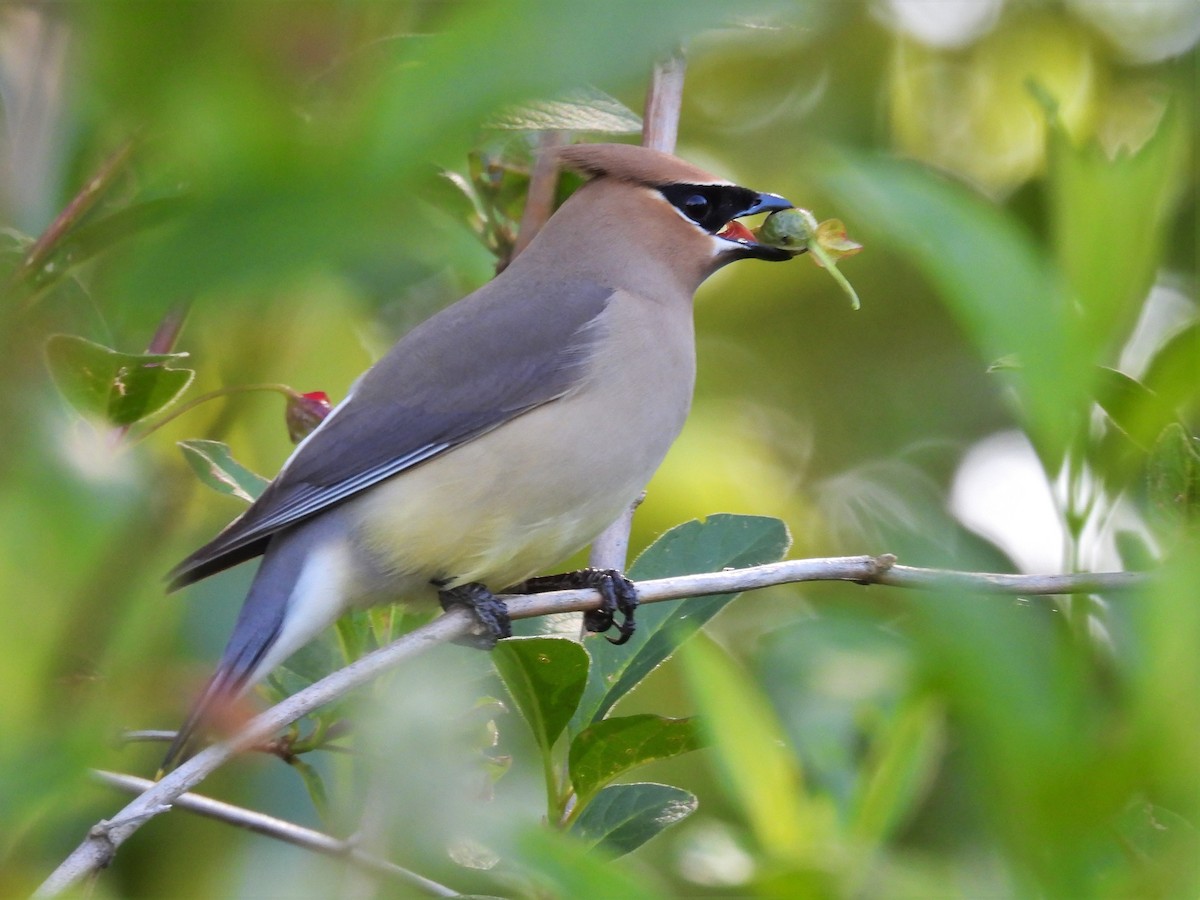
[{"x": 500, "y": 435}]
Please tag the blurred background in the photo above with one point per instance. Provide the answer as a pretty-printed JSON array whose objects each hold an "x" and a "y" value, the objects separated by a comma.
[{"x": 1018, "y": 393}]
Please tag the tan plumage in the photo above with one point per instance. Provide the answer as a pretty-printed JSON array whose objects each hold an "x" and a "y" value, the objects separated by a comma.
[
  {"x": 637, "y": 165},
  {"x": 503, "y": 433}
]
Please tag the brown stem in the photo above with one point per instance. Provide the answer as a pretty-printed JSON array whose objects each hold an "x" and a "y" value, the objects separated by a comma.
[
  {"x": 213, "y": 395},
  {"x": 168, "y": 329},
  {"x": 539, "y": 199},
  {"x": 71, "y": 215},
  {"x": 664, "y": 99},
  {"x": 282, "y": 830}
]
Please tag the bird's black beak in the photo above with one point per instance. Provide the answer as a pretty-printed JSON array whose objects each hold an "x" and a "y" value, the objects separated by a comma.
[
  {"x": 769, "y": 203},
  {"x": 745, "y": 244}
]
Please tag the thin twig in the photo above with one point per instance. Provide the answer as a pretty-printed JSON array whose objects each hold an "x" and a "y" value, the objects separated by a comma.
[
  {"x": 176, "y": 411},
  {"x": 539, "y": 198},
  {"x": 101, "y": 843},
  {"x": 281, "y": 830},
  {"x": 98, "y": 848},
  {"x": 664, "y": 99},
  {"x": 167, "y": 332},
  {"x": 1018, "y": 585},
  {"x": 611, "y": 548},
  {"x": 72, "y": 213}
]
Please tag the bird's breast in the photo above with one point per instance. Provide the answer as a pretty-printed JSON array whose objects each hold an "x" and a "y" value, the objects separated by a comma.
[{"x": 532, "y": 491}]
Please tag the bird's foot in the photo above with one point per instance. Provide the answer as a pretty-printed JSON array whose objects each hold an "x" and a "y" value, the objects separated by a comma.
[
  {"x": 617, "y": 592},
  {"x": 489, "y": 611}
]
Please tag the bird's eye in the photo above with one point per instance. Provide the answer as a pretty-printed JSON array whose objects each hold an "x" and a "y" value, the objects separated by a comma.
[{"x": 696, "y": 207}]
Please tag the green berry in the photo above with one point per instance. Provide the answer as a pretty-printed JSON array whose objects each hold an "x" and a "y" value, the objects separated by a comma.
[{"x": 787, "y": 229}]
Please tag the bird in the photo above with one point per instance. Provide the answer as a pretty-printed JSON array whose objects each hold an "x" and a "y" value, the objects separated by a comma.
[{"x": 501, "y": 434}]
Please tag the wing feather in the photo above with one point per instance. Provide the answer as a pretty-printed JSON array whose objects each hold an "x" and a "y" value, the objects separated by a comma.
[{"x": 472, "y": 367}]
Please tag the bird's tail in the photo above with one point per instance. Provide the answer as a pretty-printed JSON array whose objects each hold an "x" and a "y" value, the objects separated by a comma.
[
  {"x": 296, "y": 594},
  {"x": 246, "y": 650},
  {"x": 222, "y": 689},
  {"x": 256, "y": 633}
]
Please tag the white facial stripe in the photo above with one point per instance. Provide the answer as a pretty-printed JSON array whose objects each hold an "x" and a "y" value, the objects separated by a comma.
[
  {"x": 722, "y": 245},
  {"x": 719, "y": 244}
]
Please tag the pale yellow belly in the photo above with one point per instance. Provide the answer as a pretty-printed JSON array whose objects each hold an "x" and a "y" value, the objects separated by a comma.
[{"x": 529, "y": 493}]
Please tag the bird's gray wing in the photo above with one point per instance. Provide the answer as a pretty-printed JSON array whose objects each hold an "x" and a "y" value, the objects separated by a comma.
[{"x": 468, "y": 369}]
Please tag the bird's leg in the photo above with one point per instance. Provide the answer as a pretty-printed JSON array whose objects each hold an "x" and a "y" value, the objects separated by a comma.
[
  {"x": 617, "y": 592},
  {"x": 488, "y": 609}
]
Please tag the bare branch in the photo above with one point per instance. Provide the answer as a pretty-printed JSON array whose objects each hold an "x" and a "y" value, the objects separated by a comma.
[
  {"x": 539, "y": 199},
  {"x": 97, "y": 849},
  {"x": 169, "y": 328},
  {"x": 611, "y": 548},
  {"x": 660, "y": 121},
  {"x": 282, "y": 830},
  {"x": 993, "y": 583},
  {"x": 71, "y": 215}
]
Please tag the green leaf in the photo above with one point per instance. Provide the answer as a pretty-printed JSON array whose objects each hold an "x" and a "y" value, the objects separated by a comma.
[
  {"x": 283, "y": 682},
  {"x": 1153, "y": 834},
  {"x": 720, "y": 542},
  {"x": 1161, "y": 848},
  {"x": 1174, "y": 476},
  {"x": 1134, "y": 551},
  {"x": 213, "y": 462},
  {"x": 315, "y": 786},
  {"x": 1133, "y": 407},
  {"x": 901, "y": 768},
  {"x": 545, "y": 677},
  {"x": 990, "y": 273},
  {"x": 564, "y": 867},
  {"x": 587, "y": 109},
  {"x": 1024, "y": 709},
  {"x": 610, "y": 747},
  {"x": 1108, "y": 211},
  {"x": 121, "y": 388},
  {"x": 86, "y": 241},
  {"x": 1171, "y": 374},
  {"x": 622, "y": 817},
  {"x": 91, "y": 238},
  {"x": 498, "y": 46},
  {"x": 1139, "y": 416},
  {"x": 835, "y": 681},
  {"x": 761, "y": 771}
]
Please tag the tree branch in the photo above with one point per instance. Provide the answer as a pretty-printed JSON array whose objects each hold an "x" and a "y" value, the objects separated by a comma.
[
  {"x": 281, "y": 830},
  {"x": 102, "y": 841},
  {"x": 539, "y": 199},
  {"x": 97, "y": 850},
  {"x": 611, "y": 547},
  {"x": 664, "y": 99},
  {"x": 81, "y": 204}
]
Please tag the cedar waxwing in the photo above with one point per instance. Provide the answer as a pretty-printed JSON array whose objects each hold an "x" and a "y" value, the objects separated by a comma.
[{"x": 503, "y": 433}]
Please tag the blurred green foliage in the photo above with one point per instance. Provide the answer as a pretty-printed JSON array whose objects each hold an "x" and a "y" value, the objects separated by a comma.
[{"x": 1023, "y": 176}]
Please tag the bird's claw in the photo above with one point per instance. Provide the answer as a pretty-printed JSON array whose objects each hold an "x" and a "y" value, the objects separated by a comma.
[
  {"x": 617, "y": 593},
  {"x": 488, "y": 610}
]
